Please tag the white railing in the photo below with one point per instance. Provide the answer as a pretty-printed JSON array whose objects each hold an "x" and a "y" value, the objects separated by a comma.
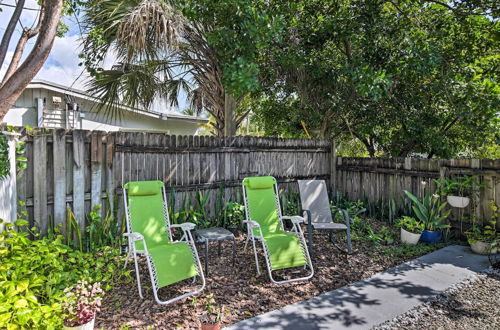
[{"x": 8, "y": 187}]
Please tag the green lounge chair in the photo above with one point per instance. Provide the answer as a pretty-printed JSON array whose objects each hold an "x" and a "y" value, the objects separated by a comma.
[
  {"x": 149, "y": 234},
  {"x": 265, "y": 224}
]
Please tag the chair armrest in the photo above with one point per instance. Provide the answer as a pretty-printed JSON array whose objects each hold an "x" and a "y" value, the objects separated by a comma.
[
  {"x": 296, "y": 219},
  {"x": 252, "y": 223},
  {"x": 134, "y": 236},
  {"x": 186, "y": 226}
]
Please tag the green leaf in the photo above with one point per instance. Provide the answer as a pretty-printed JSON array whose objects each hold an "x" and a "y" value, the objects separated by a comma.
[{"x": 21, "y": 303}]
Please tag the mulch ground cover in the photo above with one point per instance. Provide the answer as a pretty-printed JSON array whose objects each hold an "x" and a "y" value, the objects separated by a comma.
[{"x": 238, "y": 289}]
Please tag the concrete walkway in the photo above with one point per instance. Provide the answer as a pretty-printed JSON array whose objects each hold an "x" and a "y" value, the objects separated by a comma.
[{"x": 379, "y": 298}]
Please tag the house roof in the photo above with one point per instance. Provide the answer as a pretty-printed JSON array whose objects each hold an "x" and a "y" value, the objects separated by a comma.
[{"x": 44, "y": 84}]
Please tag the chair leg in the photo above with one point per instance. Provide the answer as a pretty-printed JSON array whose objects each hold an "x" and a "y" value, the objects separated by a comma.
[
  {"x": 246, "y": 243},
  {"x": 138, "y": 277},
  {"x": 126, "y": 259},
  {"x": 348, "y": 231},
  {"x": 256, "y": 257},
  {"x": 310, "y": 238},
  {"x": 349, "y": 243}
]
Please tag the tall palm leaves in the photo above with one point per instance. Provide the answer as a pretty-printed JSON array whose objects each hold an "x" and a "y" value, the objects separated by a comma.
[{"x": 160, "y": 55}]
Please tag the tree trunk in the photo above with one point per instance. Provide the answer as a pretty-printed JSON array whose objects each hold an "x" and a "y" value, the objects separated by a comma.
[
  {"x": 4, "y": 45},
  {"x": 229, "y": 116},
  {"x": 16, "y": 84}
]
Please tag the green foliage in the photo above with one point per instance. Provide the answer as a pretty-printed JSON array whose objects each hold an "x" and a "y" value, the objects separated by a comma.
[
  {"x": 237, "y": 31},
  {"x": 430, "y": 211},
  {"x": 459, "y": 186},
  {"x": 234, "y": 215},
  {"x": 411, "y": 224},
  {"x": 290, "y": 201},
  {"x": 34, "y": 274},
  {"x": 488, "y": 233},
  {"x": 410, "y": 251},
  {"x": 102, "y": 232},
  {"x": 21, "y": 161},
  {"x": 363, "y": 230},
  {"x": 402, "y": 78},
  {"x": 354, "y": 208}
]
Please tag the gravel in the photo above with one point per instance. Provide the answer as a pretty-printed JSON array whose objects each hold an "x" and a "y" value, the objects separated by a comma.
[{"x": 471, "y": 304}]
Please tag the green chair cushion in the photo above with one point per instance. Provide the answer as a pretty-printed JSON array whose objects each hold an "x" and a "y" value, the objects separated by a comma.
[
  {"x": 174, "y": 262},
  {"x": 285, "y": 251},
  {"x": 144, "y": 188}
]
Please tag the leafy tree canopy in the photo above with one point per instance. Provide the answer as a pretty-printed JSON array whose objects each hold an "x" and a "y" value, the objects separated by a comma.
[{"x": 402, "y": 77}]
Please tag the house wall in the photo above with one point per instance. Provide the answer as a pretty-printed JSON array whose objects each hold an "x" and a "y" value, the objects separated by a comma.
[{"x": 24, "y": 113}]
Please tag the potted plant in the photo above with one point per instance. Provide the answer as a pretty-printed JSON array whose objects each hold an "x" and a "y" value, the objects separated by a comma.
[
  {"x": 211, "y": 319},
  {"x": 485, "y": 240},
  {"x": 234, "y": 215},
  {"x": 458, "y": 190},
  {"x": 430, "y": 211},
  {"x": 411, "y": 230},
  {"x": 82, "y": 303}
]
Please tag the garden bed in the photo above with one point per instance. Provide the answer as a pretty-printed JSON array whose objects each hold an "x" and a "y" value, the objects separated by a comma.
[{"x": 244, "y": 294}]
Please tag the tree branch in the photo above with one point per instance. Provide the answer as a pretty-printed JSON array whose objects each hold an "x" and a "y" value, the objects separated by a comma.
[
  {"x": 4, "y": 45},
  {"x": 21, "y": 44}
]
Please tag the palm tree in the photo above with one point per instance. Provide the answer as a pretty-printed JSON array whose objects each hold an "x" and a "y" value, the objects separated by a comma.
[{"x": 160, "y": 53}]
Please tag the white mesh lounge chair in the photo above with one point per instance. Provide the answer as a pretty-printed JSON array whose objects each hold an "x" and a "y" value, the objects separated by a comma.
[{"x": 318, "y": 216}]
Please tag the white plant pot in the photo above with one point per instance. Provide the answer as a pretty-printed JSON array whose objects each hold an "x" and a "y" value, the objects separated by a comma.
[
  {"x": 87, "y": 326},
  {"x": 409, "y": 238},
  {"x": 458, "y": 201},
  {"x": 482, "y": 248}
]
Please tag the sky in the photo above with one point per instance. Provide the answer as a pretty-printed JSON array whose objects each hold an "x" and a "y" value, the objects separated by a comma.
[{"x": 61, "y": 66}]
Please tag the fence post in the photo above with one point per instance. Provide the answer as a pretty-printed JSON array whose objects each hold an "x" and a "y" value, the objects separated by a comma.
[
  {"x": 333, "y": 168},
  {"x": 8, "y": 185}
]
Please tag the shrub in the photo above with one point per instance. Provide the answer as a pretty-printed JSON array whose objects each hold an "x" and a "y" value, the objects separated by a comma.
[
  {"x": 234, "y": 215},
  {"x": 410, "y": 224},
  {"x": 34, "y": 274}
]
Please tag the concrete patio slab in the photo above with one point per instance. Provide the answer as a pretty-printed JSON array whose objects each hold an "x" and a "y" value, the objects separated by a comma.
[{"x": 377, "y": 299}]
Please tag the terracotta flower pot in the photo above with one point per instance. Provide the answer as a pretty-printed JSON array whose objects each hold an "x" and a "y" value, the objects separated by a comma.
[
  {"x": 409, "y": 237},
  {"x": 458, "y": 201},
  {"x": 215, "y": 326},
  {"x": 87, "y": 326}
]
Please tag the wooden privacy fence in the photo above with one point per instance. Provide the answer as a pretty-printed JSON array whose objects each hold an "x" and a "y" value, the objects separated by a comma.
[
  {"x": 380, "y": 180},
  {"x": 80, "y": 169}
]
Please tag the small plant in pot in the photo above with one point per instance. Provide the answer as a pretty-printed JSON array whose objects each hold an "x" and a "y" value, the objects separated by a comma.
[
  {"x": 430, "y": 212},
  {"x": 234, "y": 215},
  {"x": 485, "y": 240},
  {"x": 211, "y": 318},
  {"x": 458, "y": 190},
  {"x": 82, "y": 303},
  {"x": 411, "y": 230}
]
